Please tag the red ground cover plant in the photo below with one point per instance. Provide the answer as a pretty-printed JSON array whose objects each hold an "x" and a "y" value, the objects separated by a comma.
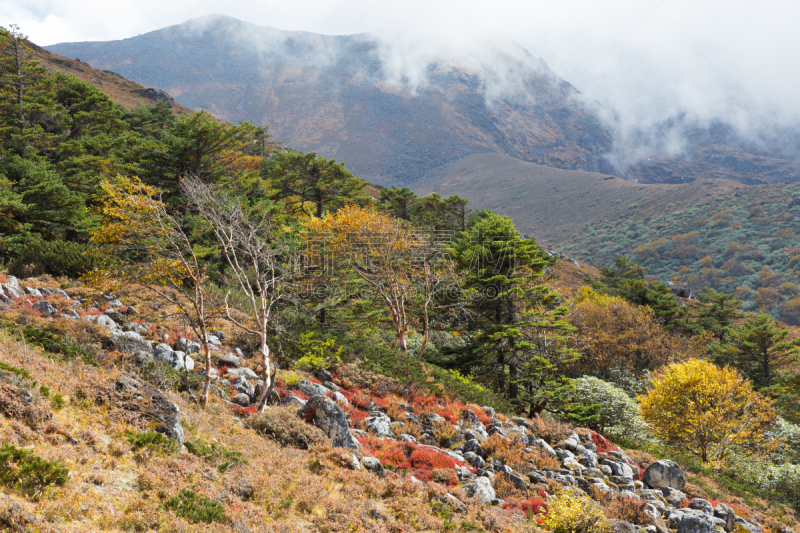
[
  {"x": 244, "y": 411},
  {"x": 602, "y": 443},
  {"x": 534, "y": 508},
  {"x": 419, "y": 461}
]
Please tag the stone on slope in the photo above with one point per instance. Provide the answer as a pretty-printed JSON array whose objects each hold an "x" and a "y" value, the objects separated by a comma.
[
  {"x": 664, "y": 473},
  {"x": 327, "y": 416},
  {"x": 131, "y": 342},
  {"x": 696, "y": 522},
  {"x": 310, "y": 388},
  {"x": 162, "y": 413},
  {"x": 480, "y": 486}
]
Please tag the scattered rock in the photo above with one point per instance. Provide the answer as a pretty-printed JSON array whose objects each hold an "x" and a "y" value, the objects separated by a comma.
[
  {"x": 161, "y": 412},
  {"x": 480, "y": 486},
  {"x": 157, "y": 95},
  {"x": 327, "y": 416},
  {"x": 241, "y": 399},
  {"x": 43, "y": 306},
  {"x": 131, "y": 342},
  {"x": 664, "y": 473}
]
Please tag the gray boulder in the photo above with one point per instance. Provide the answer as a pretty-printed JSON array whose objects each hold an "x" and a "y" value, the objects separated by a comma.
[
  {"x": 33, "y": 292},
  {"x": 43, "y": 306},
  {"x": 664, "y": 473},
  {"x": 226, "y": 359},
  {"x": 244, "y": 372},
  {"x": 188, "y": 346},
  {"x": 161, "y": 413},
  {"x": 339, "y": 398},
  {"x": 621, "y": 526},
  {"x": 480, "y": 486},
  {"x": 241, "y": 399},
  {"x": 292, "y": 400},
  {"x": 131, "y": 342},
  {"x": 694, "y": 521},
  {"x": 323, "y": 375},
  {"x": 245, "y": 387},
  {"x": 13, "y": 284},
  {"x": 378, "y": 425},
  {"x": 373, "y": 465},
  {"x": 310, "y": 388},
  {"x": 327, "y": 416}
]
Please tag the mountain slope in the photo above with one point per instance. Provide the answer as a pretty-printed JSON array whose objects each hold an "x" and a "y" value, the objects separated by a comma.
[
  {"x": 329, "y": 94},
  {"x": 121, "y": 90},
  {"x": 346, "y": 97},
  {"x": 709, "y": 233}
]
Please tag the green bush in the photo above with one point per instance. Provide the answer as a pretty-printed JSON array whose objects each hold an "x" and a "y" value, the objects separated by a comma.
[
  {"x": 21, "y": 372},
  {"x": 285, "y": 427},
  {"x": 317, "y": 354},
  {"x": 57, "y": 258},
  {"x": 54, "y": 344},
  {"x": 23, "y": 470},
  {"x": 196, "y": 508},
  {"x": 57, "y": 402},
  {"x": 619, "y": 413},
  {"x": 153, "y": 442},
  {"x": 213, "y": 452}
]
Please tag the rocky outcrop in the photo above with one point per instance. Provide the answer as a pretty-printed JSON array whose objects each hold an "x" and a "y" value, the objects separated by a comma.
[
  {"x": 157, "y": 95},
  {"x": 326, "y": 415},
  {"x": 161, "y": 413},
  {"x": 663, "y": 474}
]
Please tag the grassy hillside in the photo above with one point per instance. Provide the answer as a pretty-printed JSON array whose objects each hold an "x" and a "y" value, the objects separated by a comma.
[
  {"x": 709, "y": 233},
  {"x": 84, "y": 445}
]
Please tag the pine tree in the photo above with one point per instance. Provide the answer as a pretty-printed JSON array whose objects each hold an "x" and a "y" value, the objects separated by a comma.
[
  {"x": 401, "y": 203},
  {"x": 309, "y": 185},
  {"x": 759, "y": 348},
  {"x": 718, "y": 313},
  {"x": 29, "y": 116},
  {"x": 517, "y": 329}
]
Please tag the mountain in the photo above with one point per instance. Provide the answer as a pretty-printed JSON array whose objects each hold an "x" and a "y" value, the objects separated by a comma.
[{"x": 342, "y": 97}]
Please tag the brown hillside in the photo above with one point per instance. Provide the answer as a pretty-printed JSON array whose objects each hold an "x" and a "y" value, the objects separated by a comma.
[
  {"x": 550, "y": 203},
  {"x": 120, "y": 90}
]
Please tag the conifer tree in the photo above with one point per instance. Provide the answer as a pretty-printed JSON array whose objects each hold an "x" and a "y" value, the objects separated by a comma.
[
  {"x": 29, "y": 115},
  {"x": 718, "y": 313},
  {"x": 759, "y": 348},
  {"x": 309, "y": 185},
  {"x": 517, "y": 330}
]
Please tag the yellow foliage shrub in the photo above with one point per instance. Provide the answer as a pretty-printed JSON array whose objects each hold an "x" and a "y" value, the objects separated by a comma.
[
  {"x": 574, "y": 512},
  {"x": 616, "y": 334},
  {"x": 707, "y": 410}
]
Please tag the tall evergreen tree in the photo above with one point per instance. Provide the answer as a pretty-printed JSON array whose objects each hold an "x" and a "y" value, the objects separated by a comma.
[
  {"x": 517, "y": 328},
  {"x": 759, "y": 348},
  {"x": 310, "y": 185},
  {"x": 29, "y": 115},
  {"x": 718, "y": 313}
]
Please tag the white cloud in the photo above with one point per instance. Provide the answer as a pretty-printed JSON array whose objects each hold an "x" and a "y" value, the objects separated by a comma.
[{"x": 645, "y": 59}]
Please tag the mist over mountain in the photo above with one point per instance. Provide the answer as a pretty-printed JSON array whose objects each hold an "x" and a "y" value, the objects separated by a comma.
[{"x": 398, "y": 115}]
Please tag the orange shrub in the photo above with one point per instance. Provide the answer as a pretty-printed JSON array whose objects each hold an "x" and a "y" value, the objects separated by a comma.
[{"x": 615, "y": 334}]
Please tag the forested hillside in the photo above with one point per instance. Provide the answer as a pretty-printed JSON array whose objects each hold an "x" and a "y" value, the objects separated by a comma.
[
  {"x": 710, "y": 233},
  {"x": 202, "y": 329}
]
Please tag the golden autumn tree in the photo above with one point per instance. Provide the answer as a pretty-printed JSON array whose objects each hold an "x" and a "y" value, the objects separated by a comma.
[
  {"x": 155, "y": 254},
  {"x": 614, "y": 334},
  {"x": 380, "y": 250},
  {"x": 706, "y": 410}
]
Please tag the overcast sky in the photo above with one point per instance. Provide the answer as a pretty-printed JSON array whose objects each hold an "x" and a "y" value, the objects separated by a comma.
[{"x": 645, "y": 59}]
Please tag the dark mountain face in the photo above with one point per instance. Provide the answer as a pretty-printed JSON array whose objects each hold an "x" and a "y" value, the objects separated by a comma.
[{"x": 337, "y": 95}]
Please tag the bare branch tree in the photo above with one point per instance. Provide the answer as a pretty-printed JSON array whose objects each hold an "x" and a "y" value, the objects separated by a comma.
[{"x": 261, "y": 265}]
